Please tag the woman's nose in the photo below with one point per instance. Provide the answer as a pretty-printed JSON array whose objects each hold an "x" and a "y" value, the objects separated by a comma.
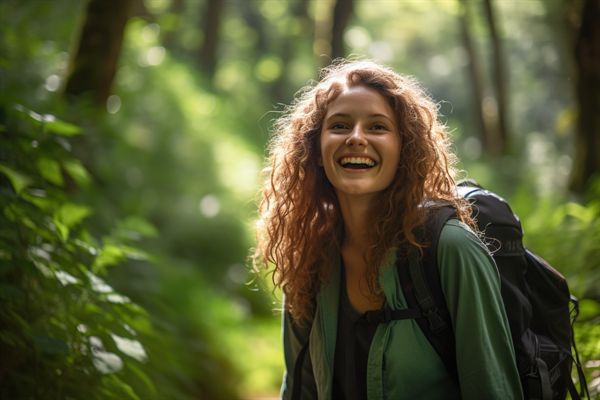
[{"x": 357, "y": 137}]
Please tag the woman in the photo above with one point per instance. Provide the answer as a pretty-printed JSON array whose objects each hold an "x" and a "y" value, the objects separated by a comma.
[{"x": 352, "y": 166}]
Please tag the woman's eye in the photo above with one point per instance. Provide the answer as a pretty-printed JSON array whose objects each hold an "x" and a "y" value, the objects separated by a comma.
[
  {"x": 379, "y": 127},
  {"x": 338, "y": 126}
]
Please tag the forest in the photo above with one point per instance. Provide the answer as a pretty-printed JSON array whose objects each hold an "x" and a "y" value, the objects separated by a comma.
[{"x": 133, "y": 133}]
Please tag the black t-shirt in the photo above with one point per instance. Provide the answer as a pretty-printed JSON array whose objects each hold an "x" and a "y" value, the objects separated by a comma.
[{"x": 351, "y": 350}]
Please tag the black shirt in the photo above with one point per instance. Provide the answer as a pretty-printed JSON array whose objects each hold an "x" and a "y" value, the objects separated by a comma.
[{"x": 351, "y": 350}]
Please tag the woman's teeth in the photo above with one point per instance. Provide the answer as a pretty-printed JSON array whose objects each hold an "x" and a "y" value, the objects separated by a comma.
[{"x": 357, "y": 162}]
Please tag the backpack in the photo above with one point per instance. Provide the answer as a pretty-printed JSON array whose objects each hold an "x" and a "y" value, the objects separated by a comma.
[{"x": 540, "y": 309}]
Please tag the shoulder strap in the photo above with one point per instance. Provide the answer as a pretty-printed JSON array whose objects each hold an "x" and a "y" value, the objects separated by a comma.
[{"x": 422, "y": 289}]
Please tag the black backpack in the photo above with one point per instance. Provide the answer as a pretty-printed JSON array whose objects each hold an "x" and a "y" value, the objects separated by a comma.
[{"x": 539, "y": 307}]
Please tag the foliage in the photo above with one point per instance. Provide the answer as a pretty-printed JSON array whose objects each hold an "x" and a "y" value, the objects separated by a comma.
[{"x": 65, "y": 332}]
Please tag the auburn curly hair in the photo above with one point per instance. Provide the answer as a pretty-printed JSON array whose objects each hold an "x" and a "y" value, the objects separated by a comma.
[{"x": 300, "y": 226}]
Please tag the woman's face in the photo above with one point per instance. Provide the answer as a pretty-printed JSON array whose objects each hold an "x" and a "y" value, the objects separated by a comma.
[{"x": 360, "y": 143}]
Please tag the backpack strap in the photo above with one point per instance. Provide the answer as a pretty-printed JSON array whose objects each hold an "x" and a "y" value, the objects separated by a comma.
[
  {"x": 584, "y": 391},
  {"x": 422, "y": 289}
]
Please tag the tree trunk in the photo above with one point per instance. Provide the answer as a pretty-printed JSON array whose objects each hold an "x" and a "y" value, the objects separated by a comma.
[
  {"x": 342, "y": 12},
  {"x": 484, "y": 124},
  {"x": 587, "y": 61},
  {"x": 499, "y": 78},
  {"x": 211, "y": 27},
  {"x": 93, "y": 67}
]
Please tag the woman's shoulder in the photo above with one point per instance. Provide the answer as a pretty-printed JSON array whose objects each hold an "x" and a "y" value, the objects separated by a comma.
[
  {"x": 461, "y": 253},
  {"x": 456, "y": 236}
]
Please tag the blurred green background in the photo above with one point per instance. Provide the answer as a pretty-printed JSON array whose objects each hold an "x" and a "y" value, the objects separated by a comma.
[{"x": 132, "y": 134}]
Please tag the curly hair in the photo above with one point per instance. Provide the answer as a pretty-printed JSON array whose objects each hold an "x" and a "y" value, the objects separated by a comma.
[{"x": 300, "y": 225}]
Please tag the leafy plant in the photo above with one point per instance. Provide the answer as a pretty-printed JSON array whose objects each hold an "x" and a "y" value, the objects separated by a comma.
[{"x": 64, "y": 332}]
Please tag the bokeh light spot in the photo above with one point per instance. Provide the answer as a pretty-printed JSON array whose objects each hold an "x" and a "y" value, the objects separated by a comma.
[{"x": 209, "y": 206}]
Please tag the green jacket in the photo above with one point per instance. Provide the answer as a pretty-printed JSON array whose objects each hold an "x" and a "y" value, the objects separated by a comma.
[{"x": 402, "y": 364}]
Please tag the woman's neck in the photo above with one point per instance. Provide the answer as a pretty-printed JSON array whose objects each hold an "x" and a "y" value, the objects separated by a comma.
[{"x": 357, "y": 220}]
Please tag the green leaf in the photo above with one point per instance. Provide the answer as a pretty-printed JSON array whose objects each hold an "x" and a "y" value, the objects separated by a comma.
[
  {"x": 41, "y": 199},
  {"x": 78, "y": 172},
  {"x": 109, "y": 255},
  {"x": 50, "y": 170},
  {"x": 65, "y": 278},
  {"x": 49, "y": 122},
  {"x": 62, "y": 128},
  {"x": 18, "y": 180},
  {"x": 130, "y": 347},
  {"x": 61, "y": 229},
  {"x": 71, "y": 214},
  {"x": 580, "y": 212}
]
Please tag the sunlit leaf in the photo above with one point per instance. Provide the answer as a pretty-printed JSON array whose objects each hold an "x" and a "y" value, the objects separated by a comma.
[
  {"x": 49, "y": 122},
  {"x": 98, "y": 285},
  {"x": 39, "y": 198},
  {"x": 61, "y": 127},
  {"x": 109, "y": 255},
  {"x": 130, "y": 347},
  {"x": 105, "y": 362},
  {"x": 18, "y": 180},
  {"x": 61, "y": 229},
  {"x": 582, "y": 213},
  {"x": 135, "y": 254},
  {"x": 50, "y": 170},
  {"x": 71, "y": 214},
  {"x": 65, "y": 278},
  {"x": 116, "y": 298}
]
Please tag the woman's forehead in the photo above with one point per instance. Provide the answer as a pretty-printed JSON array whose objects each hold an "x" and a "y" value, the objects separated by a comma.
[{"x": 358, "y": 99}]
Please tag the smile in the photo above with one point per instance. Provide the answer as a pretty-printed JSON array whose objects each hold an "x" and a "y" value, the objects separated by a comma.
[{"x": 357, "y": 162}]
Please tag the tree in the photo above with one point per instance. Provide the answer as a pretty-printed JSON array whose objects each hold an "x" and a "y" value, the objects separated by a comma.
[
  {"x": 499, "y": 79},
  {"x": 211, "y": 24},
  {"x": 93, "y": 67},
  {"x": 484, "y": 124},
  {"x": 342, "y": 12},
  {"x": 587, "y": 62}
]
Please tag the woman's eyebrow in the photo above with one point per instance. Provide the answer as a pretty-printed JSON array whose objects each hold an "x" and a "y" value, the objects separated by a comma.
[
  {"x": 376, "y": 115},
  {"x": 338, "y": 115},
  {"x": 343, "y": 115}
]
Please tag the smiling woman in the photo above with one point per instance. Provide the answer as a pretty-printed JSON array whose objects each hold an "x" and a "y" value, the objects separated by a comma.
[
  {"x": 358, "y": 165},
  {"x": 360, "y": 144}
]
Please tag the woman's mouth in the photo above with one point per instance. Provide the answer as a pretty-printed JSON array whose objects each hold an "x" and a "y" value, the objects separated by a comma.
[{"x": 357, "y": 162}]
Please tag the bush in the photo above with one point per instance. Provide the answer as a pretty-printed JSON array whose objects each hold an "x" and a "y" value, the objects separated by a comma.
[{"x": 65, "y": 333}]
